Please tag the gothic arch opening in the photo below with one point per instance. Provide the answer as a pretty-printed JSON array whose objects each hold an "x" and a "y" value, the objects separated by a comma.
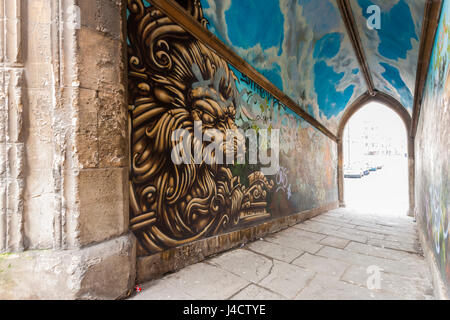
[{"x": 366, "y": 152}]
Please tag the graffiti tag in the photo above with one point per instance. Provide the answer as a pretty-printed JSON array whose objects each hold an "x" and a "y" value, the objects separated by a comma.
[{"x": 283, "y": 182}]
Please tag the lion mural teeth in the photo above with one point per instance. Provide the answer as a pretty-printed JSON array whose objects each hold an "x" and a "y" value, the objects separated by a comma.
[{"x": 175, "y": 204}]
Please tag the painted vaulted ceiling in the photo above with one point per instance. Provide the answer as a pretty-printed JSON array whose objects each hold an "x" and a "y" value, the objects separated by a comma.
[
  {"x": 303, "y": 48},
  {"x": 392, "y": 51}
]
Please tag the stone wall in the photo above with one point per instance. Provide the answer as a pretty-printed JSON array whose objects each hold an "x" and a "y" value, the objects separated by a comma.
[
  {"x": 63, "y": 151},
  {"x": 433, "y": 153}
]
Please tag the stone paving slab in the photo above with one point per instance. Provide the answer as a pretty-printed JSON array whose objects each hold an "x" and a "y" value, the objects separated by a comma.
[
  {"x": 335, "y": 242},
  {"x": 366, "y": 234},
  {"x": 254, "y": 292},
  {"x": 349, "y": 236},
  {"x": 324, "y": 258},
  {"x": 321, "y": 265},
  {"x": 293, "y": 241},
  {"x": 318, "y": 227},
  {"x": 364, "y": 260},
  {"x": 244, "y": 263},
  {"x": 405, "y": 287},
  {"x": 410, "y": 240},
  {"x": 275, "y": 251},
  {"x": 200, "y": 281},
  {"x": 335, "y": 214},
  {"x": 161, "y": 290},
  {"x": 385, "y": 231},
  {"x": 335, "y": 232},
  {"x": 333, "y": 221},
  {"x": 324, "y": 287},
  {"x": 401, "y": 246},
  {"x": 286, "y": 279},
  {"x": 376, "y": 251},
  {"x": 316, "y": 237}
]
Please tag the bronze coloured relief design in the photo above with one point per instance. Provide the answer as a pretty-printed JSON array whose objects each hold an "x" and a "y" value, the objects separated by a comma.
[{"x": 171, "y": 204}]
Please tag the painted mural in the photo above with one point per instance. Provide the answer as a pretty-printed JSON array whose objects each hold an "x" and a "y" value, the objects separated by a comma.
[
  {"x": 392, "y": 47},
  {"x": 433, "y": 148},
  {"x": 301, "y": 46},
  {"x": 175, "y": 83}
]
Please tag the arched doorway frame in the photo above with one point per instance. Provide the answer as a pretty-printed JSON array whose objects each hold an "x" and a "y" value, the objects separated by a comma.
[{"x": 393, "y": 104}]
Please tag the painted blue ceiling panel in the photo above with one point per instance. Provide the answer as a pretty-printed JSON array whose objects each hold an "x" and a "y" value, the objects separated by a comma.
[
  {"x": 392, "y": 50},
  {"x": 301, "y": 46}
]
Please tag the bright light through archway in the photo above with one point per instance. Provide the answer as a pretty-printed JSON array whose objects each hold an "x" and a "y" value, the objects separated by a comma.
[{"x": 376, "y": 162}]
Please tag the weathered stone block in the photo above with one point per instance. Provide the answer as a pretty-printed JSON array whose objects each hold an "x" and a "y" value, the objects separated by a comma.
[
  {"x": 87, "y": 129},
  {"x": 101, "y": 65},
  {"x": 39, "y": 75},
  {"x": 103, "y": 203},
  {"x": 39, "y": 220},
  {"x": 112, "y": 130},
  {"x": 103, "y": 271},
  {"x": 101, "y": 16},
  {"x": 108, "y": 269},
  {"x": 38, "y": 48}
]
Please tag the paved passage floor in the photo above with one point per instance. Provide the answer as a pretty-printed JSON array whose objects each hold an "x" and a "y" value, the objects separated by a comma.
[{"x": 338, "y": 255}]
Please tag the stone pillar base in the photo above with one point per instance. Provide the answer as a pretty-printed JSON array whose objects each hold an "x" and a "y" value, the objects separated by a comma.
[{"x": 100, "y": 271}]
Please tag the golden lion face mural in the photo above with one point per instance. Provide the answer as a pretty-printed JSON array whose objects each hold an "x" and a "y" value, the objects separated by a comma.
[{"x": 175, "y": 204}]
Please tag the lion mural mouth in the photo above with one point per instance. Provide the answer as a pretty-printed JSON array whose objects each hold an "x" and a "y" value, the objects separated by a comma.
[{"x": 175, "y": 204}]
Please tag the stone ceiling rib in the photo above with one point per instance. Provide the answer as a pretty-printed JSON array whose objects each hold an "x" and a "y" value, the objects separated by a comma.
[{"x": 352, "y": 30}]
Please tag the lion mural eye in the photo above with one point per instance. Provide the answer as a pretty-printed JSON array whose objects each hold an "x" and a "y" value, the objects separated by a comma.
[
  {"x": 208, "y": 119},
  {"x": 175, "y": 204}
]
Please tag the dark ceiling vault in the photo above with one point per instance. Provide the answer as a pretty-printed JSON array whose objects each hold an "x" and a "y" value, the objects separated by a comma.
[{"x": 430, "y": 21}]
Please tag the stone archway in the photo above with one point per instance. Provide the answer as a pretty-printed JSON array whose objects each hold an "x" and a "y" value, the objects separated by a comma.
[{"x": 398, "y": 108}]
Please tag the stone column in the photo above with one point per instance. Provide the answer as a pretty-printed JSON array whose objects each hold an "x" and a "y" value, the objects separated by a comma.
[
  {"x": 11, "y": 133},
  {"x": 64, "y": 151},
  {"x": 411, "y": 177},
  {"x": 340, "y": 173}
]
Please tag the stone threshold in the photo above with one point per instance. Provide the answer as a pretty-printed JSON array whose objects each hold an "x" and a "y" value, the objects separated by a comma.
[{"x": 155, "y": 266}]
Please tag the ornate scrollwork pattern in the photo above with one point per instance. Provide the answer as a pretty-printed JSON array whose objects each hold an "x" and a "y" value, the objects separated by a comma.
[{"x": 175, "y": 204}]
